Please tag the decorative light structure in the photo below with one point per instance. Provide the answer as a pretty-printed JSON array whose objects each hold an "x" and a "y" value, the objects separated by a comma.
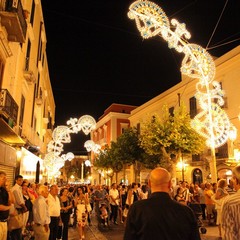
[
  {"x": 61, "y": 134},
  {"x": 212, "y": 123},
  {"x": 92, "y": 146}
]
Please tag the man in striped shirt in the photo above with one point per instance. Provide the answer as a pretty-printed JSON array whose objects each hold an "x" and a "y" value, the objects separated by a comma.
[{"x": 231, "y": 210}]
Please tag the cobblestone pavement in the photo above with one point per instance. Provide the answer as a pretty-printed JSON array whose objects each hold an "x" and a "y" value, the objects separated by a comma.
[{"x": 116, "y": 232}]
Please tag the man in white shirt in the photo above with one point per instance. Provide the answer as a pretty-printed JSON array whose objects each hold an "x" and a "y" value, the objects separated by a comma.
[
  {"x": 41, "y": 215},
  {"x": 114, "y": 201},
  {"x": 19, "y": 204},
  {"x": 54, "y": 211}
]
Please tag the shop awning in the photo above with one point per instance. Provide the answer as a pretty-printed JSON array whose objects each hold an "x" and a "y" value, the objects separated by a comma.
[{"x": 8, "y": 136}]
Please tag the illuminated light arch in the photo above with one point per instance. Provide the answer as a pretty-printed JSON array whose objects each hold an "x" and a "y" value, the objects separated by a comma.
[
  {"x": 61, "y": 134},
  {"x": 212, "y": 123}
]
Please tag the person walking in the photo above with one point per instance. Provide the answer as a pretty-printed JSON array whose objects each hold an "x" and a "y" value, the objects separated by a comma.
[
  {"x": 218, "y": 199},
  {"x": 231, "y": 209},
  {"x": 66, "y": 210},
  {"x": 114, "y": 202},
  {"x": 41, "y": 215},
  {"x": 159, "y": 217},
  {"x": 81, "y": 201}
]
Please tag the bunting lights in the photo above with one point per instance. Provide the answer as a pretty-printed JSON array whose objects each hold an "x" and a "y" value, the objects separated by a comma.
[
  {"x": 61, "y": 134},
  {"x": 212, "y": 123}
]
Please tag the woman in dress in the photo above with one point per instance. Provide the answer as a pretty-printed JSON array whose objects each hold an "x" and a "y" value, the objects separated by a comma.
[
  {"x": 66, "y": 210},
  {"x": 81, "y": 201},
  {"x": 221, "y": 193}
]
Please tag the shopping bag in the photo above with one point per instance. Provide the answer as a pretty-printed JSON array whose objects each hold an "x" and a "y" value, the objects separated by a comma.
[{"x": 15, "y": 222}]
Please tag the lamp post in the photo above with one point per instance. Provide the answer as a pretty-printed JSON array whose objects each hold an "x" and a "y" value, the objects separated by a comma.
[
  {"x": 91, "y": 146},
  {"x": 182, "y": 167},
  {"x": 232, "y": 137},
  {"x": 87, "y": 163}
]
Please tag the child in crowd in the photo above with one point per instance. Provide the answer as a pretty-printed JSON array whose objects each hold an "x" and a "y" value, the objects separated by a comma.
[{"x": 104, "y": 214}]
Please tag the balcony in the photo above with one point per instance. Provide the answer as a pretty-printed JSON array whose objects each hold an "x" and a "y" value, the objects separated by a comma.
[
  {"x": 12, "y": 17},
  {"x": 8, "y": 107},
  {"x": 28, "y": 74},
  {"x": 8, "y": 119}
]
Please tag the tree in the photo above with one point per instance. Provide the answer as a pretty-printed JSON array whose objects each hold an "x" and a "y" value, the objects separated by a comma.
[
  {"x": 107, "y": 160},
  {"x": 170, "y": 137},
  {"x": 126, "y": 151}
]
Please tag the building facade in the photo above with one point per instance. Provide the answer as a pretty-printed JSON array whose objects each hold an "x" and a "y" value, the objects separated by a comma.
[
  {"x": 27, "y": 107},
  {"x": 109, "y": 126},
  {"x": 196, "y": 168},
  {"x": 192, "y": 168}
]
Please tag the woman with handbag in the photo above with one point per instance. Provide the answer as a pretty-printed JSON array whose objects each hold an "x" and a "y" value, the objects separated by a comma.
[
  {"x": 66, "y": 210},
  {"x": 81, "y": 203}
]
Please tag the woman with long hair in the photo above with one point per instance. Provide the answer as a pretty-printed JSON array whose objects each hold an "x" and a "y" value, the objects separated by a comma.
[
  {"x": 66, "y": 210},
  {"x": 220, "y": 194},
  {"x": 81, "y": 201}
]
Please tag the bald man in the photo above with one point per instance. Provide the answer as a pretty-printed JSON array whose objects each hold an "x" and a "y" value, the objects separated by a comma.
[{"x": 160, "y": 217}]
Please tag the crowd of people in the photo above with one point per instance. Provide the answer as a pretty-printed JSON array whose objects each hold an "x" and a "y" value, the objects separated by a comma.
[{"x": 47, "y": 211}]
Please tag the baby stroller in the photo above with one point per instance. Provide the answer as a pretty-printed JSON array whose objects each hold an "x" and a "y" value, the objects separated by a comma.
[
  {"x": 102, "y": 212},
  {"x": 196, "y": 207}
]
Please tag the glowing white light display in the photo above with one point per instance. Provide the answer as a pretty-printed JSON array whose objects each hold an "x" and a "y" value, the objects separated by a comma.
[
  {"x": 212, "y": 122},
  {"x": 61, "y": 134},
  {"x": 92, "y": 146}
]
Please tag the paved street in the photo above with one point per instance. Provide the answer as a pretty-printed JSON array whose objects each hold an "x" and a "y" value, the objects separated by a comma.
[{"x": 115, "y": 232}]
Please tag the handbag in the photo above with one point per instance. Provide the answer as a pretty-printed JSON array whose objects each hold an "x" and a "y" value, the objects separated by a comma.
[
  {"x": 89, "y": 208},
  {"x": 15, "y": 222},
  {"x": 125, "y": 212}
]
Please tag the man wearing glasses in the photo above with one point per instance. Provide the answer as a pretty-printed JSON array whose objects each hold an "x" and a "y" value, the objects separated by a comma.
[{"x": 231, "y": 210}]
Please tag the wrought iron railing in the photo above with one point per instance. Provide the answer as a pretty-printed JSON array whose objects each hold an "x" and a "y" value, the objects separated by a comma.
[{"x": 8, "y": 107}]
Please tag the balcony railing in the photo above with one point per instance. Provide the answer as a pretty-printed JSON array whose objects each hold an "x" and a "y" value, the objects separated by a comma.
[
  {"x": 12, "y": 17},
  {"x": 8, "y": 107}
]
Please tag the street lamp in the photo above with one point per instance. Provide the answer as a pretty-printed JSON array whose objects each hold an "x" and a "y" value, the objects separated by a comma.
[
  {"x": 232, "y": 137},
  {"x": 87, "y": 163},
  {"x": 182, "y": 166}
]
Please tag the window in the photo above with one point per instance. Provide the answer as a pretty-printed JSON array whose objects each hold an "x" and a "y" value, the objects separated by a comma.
[
  {"x": 196, "y": 157},
  {"x": 1, "y": 70},
  {"x": 39, "y": 55},
  {"x": 22, "y": 106},
  {"x": 28, "y": 55},
  {"x": 193, "y": 107},
  {"x": 171, "y": 111},
  {"x": 32, "y": 12}
]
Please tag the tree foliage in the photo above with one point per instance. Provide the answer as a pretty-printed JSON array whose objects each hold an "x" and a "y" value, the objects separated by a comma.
[
  {"x": 170, "y": 135},
  {"x": 126, "y": 150}
]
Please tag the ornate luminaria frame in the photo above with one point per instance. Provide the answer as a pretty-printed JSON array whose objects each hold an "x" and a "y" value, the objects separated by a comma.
[
  {"x": 92, "y": 146},
  {"x": 212, "y": 123},
  {"x": 61, "y": 134}
]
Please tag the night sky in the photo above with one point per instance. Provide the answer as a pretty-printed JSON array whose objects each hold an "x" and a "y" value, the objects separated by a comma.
[{"x": 97, "y": 57}]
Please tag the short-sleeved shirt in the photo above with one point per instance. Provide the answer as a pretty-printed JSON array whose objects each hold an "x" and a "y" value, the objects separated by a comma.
[{"x": 4, "y": 201}]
